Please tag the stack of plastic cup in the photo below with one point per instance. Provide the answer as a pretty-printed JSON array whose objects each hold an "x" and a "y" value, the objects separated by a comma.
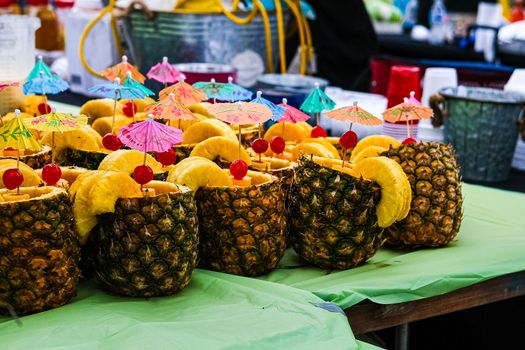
[
  {"x": 403, "y": 80},
  {"x": 435, "y": 80}
]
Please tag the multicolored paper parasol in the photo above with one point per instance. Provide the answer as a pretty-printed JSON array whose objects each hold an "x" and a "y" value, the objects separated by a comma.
[
  {"x": 406, "y": 111},
  {"x": 121, "y": 70},
  {"x": 45, "y": 85},
  {"x": 185, "y": 94},
  {"x": 413, "y": 100},
  {"x": 164, "y": 72},
  {"x": 292, "y": 114},
  {"x": 40, "y": 66},
  {"x": 277, "y": 111},
  {"x": 15, "y": 135},
  {"x": 223, "y": 91},
  {"x": 317, "y": 102},
  {"x": 132, "y": 83},
  {"x": 169, "y": 109}
]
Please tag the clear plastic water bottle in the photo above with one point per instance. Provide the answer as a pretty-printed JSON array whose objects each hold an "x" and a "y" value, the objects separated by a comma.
[
  {"x": 410, "y": 16},
  {"x": 438, "y": 22}
]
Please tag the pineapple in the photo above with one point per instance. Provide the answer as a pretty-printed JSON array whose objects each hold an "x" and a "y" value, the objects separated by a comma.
[
  {"x": 146, "y": 246},
  {"x": 201, "y": 108},
  {"x": 183, "y": 151},
  {"x": 292, "y": 132},
  {"x": 242, "y": 229},
  {"x": 127, "y": 160},
  {"x": 81, "y": 147},
  {"x": 334, "y": 212},
  {"x": 103, "y": 124},
  {"x": 205, "y": 129},
  {"x": 374, "y": 140},
  {"x": 312, "y": 148},
  {"x": 368, "y": 152},
  {"x": 31, "y": 103},
  {"x": 31, "y": 177},
  {"x": 195, "y": 172},
  {"x": 39, "y": 250},
  {"x": 436, "y": 210},
  {"x": 248, "y": 133},
  {"x": 98, "y": 108},
  {"x": 222, "y": 148},
  {"x": 326, "y": 144}
]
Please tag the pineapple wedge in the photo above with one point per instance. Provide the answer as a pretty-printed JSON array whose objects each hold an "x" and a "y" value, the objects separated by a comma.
[
  {"x": 102, "y": 125},
  {"x": 374, "y": 140},
  {"x": 176, "y": 170},
  {"x": 205, "y": 129},
  {"x": 200, "y": 173},
  {"x": 369, "y": 152},
  {"x": 222, "y": 147},
  {"x": 201, "y": 108},
  {"x": 310, "y": 148},
  {"x": 292, "y": 132},
  {"x": 98, "y": 108},
  {"x": 127, "y": 160},
  {"x": 329, "y": 146},
  {"x": 395, "y": 188}
]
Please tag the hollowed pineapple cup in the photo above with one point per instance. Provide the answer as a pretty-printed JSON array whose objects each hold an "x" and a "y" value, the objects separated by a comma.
[
  {"x": 39, "y": 250},
  {"x": 183, "y": 151},
  {"x": 35, "y": 160},
  {"x": 148, "y": 246},
  {"x": 333, "y": 217},
  {"x": 243, "y": 229}
]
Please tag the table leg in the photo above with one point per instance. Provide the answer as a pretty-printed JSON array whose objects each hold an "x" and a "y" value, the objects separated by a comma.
[{"x": 402, "y": 336}]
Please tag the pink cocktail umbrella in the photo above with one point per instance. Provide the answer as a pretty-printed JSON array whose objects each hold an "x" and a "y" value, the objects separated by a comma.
[
  {"x": 413, "y": 100},
  {"x": 164, "y": 72},
  {"x": 149, "y": 136}
]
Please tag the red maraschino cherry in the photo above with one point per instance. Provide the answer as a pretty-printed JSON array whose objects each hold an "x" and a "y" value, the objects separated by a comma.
[
  {"x": 129, "y": 109},
  {"x": 238, "y": 169},
  {"x": 44, "y": 108},
  {"x": 260, "y": 145},
  {"x": 12, "y": 178},
  {"x": 277, "y": 144},
  {"x": 409, "y": 141},
  {"x": 51, "y": 173},
  {"x": 348, "y": 139},
  {"x": 318, "y": 131},
  {"x": 142, "y": 174},
  {"x": 111, "y": 142},
  {"x": 167, "y": 158}
]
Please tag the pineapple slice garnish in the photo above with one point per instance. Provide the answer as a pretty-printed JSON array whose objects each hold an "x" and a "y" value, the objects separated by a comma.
[
  {"x": 222, "y": 147},
  {"x": 98, "y": 108},
  {"x": 31, "y": 178},
  {"x": 395, "y": 187},
  {"x": 83, "y": 139},
  {"x": 127, "y": 160},
  {"x": 96, "y": 193},
  {"x": 327, "y": 144},
  {"x": 205, "y": 129},
  {"x": 306, "y": 127},
  {"x": 310, "y": 148},
  {"x": 102, "y": 125},
  {"x": 374, "y": 140},
  {"x": 369, "y": 152},
  {"x": 292, "y": 132},
  {"x": 196, "y": 172}
]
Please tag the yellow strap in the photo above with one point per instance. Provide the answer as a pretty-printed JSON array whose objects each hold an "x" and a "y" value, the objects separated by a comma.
[
  {"x": 280, "y": 34},
  {"x": 267, "y": 34},
  {"x": 89, "y": 27},
  {"x": 302, "y": 40},
  {"x": 309, "y": 45}
]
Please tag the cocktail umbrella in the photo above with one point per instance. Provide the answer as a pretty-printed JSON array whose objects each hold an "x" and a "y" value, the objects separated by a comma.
[
  {"x": 45, "y": 85},
  {"x": 223, "y": 91},
  {"x": 352, "y": 114},
  {"x": 291, "y": 115},
  {"x": 164, "y": 72},
  {"x": 240, "y": 113},
  {"x": 40, "y": 66},
  {"x": 116, "y": 92},
  {"x": 317, "y": 102},
  {"x": 56, "y": 122},
  {"x": 170, "y": 109},
  {"x": 406, "y": 111},
  {"x": 132, "y": 83},
  {"x": 277, "y": 111},
  {"x": 121, "y": 70},
  {"x": 185, "y": 94},
  {"x": 15, "y": 135},
  {"x": 149, "y": 136},
  {"x": 413, "y": 100}
]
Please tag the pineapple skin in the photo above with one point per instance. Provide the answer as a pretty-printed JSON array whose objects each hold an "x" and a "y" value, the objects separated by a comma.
[
  {"x": 148, "y": 247},
  {"x": 242, "y": 229},
  {"x": 436, "y": 211},
  {"x": 37, "y": 160},
  {"x": 332, "y": 216},
  {"x": 84, "y": 159},
  {"x": 39, "y": 254},
  {"x": 182, "y": 152}
]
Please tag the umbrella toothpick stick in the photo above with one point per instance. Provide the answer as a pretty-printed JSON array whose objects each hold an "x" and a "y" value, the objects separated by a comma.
[
  {"x": 317, "y": 118},
  {"x": 52, "y": 147},
  {"x": 408, "y": 128},
  {"x": 283, "y": 131},
  {"x": 240, "y": 139},
  {"x": 18, "y": 167},
  {"x": 114, "y": 113}
]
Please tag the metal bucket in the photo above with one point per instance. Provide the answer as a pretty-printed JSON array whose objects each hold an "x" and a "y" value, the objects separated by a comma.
[
  {"x": 208, "y": 38},
  {"x": 482, "y": 125}
]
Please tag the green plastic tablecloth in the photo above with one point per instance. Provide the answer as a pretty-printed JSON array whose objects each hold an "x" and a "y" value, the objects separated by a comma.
[
  {"x": 491, "y": 243},
  {"x": 216, "y": 311}
]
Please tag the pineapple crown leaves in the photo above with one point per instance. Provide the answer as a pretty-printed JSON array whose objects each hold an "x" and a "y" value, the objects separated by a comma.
[{"x": 15, "y": 133}]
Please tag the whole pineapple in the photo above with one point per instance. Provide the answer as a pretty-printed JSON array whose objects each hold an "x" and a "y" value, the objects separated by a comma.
[
  {"x": 39, "y": 250},
  {"x": 148, "y": 246},
  {"x": 436, "y": 210},
  {"x": 332, "y": 217},
  {"x": 243, "y": 229}
]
